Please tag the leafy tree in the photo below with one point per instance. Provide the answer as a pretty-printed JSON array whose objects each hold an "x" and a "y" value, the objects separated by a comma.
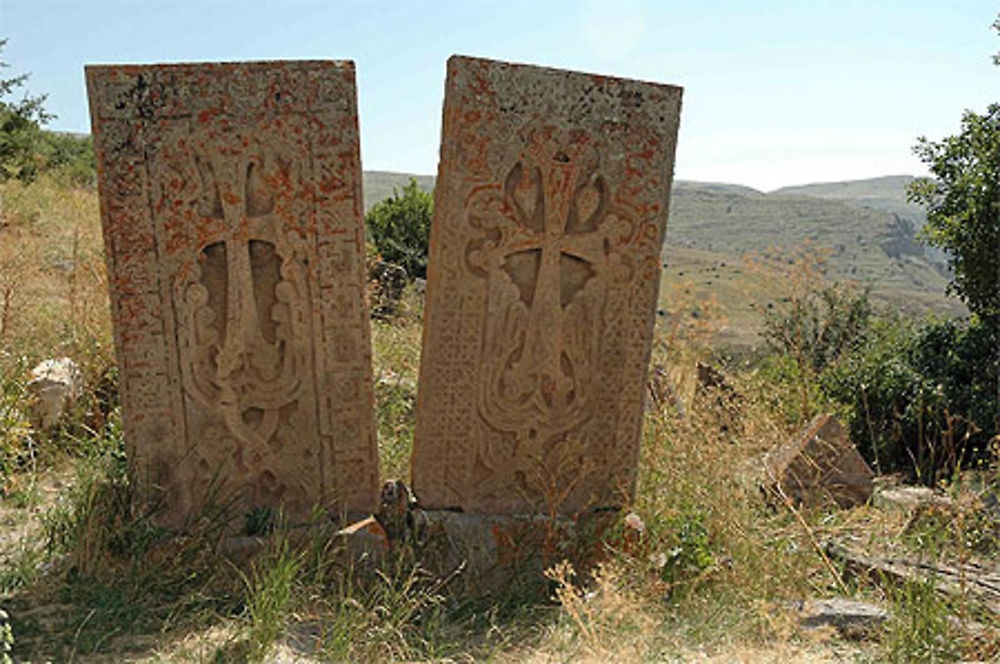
[
  {"x": 20, "y": 129},
  {"x": 963, "y": 207},
  {"x": 400, "y": 227},
  {"x": 996, "y": 26}
]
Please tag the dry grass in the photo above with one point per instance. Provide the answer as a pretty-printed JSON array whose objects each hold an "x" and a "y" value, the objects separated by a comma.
[
  {"x": 699, "y": 572},
  {"x": 53, "y": 294}
]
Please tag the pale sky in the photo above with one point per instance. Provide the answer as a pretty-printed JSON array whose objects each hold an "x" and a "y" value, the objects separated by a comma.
[{"x": 776, "y": 93}]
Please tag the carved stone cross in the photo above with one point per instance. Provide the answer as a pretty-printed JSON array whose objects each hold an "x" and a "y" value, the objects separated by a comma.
[
  {"x": 230, "y": 199},
  {"x": 549, "y": 213},
  {"x": 253, "y": 322},
  {"x": 557, "y": 228}
]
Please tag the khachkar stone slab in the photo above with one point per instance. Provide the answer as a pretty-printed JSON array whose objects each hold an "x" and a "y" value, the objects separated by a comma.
[
  {"x": 231, "y": 203},
  {"x": 549, "y": 215}
]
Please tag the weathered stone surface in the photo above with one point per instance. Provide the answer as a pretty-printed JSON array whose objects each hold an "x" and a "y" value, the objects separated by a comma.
[
  {"x": 820, "y": 465},
  {"x": 910, "y": 498},
  {"x": 54, "y": 387},
  {"x": 852, "y": 618},
  {"x": 231, "y": 203},
  {"x": 549, "y": 215}
]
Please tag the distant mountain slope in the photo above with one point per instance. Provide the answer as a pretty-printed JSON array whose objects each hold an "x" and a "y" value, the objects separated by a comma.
[
  {"x": 890, "y": 187},
  {"x": 866, "y": 227},
  {"x": 887, "y": 194},
  {"x": 710, "y": 230},
  {"x": 864, "y": 243},
  {"x": 717, "y": 187}
]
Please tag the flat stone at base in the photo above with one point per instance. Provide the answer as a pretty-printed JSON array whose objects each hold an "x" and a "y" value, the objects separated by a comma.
[{"x": 492, "y": 553}]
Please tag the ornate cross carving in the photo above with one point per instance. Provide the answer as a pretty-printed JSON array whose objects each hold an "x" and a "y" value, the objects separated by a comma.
[
  {"x": 245, "y": 306},
  {"x": 547, "y": 247}
]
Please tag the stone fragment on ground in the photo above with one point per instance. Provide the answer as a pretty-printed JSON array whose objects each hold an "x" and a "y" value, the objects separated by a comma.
[
  {"x": 909, "y": 498},
  {"x": 819, "y": 467},
  {"x": 54, "y": 387},
  {"x": 853, "y": 619}
]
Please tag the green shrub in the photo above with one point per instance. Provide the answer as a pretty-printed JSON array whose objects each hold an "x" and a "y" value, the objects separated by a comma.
[
  {"x": 686, "y": 547},
  {"x": 921, "y": 398},
  {"x": 400, "y": 228},
  {"x": 70, "y": 157},
  {"x": 812, "y": 330},
  {"x": 789, "y": 390},
  {"x": 821, "y": 326}
]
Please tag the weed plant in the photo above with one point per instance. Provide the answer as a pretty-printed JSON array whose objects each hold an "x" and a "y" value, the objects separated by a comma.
[
  {"x": 6, "y": 638},
  {"x": 920, "y": 629},
  {"x": 269, "y": 597}
]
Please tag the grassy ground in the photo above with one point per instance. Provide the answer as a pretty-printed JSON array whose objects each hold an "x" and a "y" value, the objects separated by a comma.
[{"x": 84, "y": 578}]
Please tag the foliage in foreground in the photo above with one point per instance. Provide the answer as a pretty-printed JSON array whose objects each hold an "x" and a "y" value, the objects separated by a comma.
[
  {"x": 701, "y": 564},
  {"x": 705, "y": 541},
  {"x": 919, "y": 396},
  {"x": 26, "y": 150},
  {"x": 963, "y": 207},
  {"x": 400, "y": 228}
]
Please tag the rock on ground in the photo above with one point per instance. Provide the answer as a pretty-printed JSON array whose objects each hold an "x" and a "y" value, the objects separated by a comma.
[
  {"x": 54, "y": 387},
  {"x": 820, "y": 466}
]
